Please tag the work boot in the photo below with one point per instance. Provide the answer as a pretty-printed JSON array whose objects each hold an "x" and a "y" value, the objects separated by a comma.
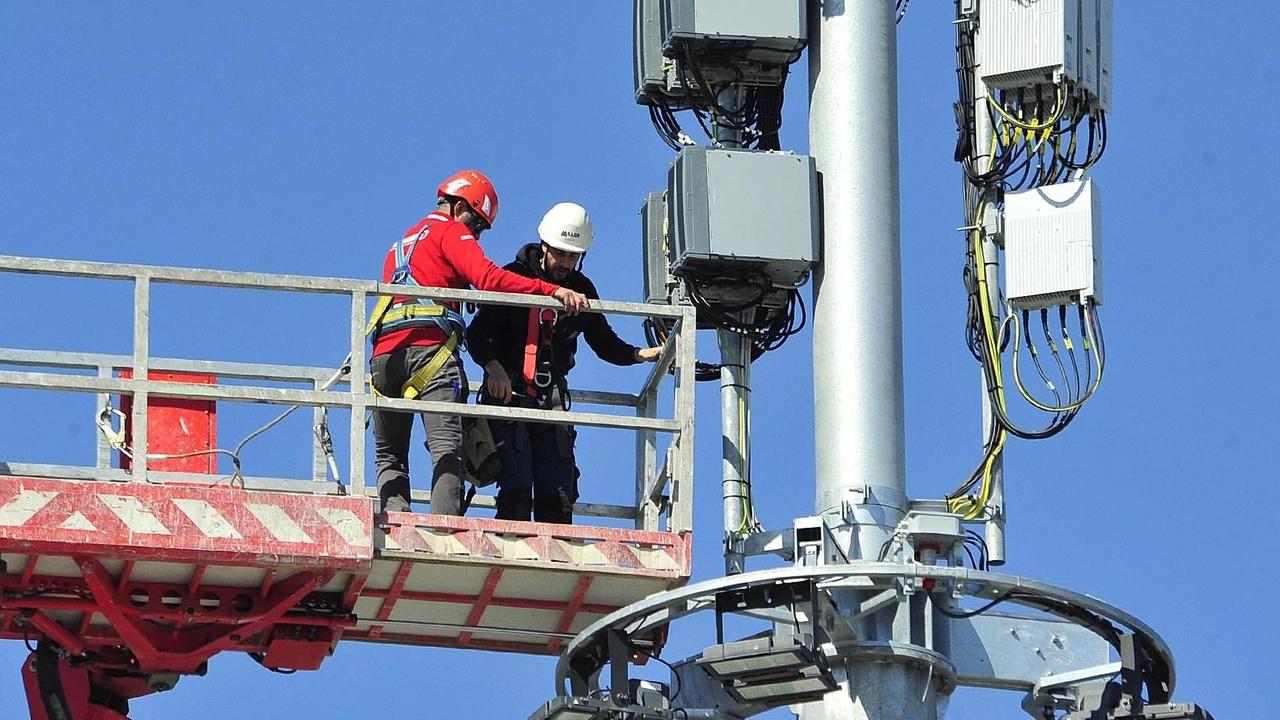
[
  {"x": 396, "y": 503},
  {"x": 514, "y": 505}
]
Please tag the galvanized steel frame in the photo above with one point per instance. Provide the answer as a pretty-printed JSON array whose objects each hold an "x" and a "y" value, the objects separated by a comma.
[
  {"x": 656, "y": 612},
  {"x": 665, "y": 489}
]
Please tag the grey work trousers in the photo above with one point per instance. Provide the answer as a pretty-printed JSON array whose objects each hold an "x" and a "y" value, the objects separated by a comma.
[{"x": 392, "y": 429}]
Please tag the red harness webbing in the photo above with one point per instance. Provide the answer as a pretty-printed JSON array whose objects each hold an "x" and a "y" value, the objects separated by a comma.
[{"x": 537, "y": 351}]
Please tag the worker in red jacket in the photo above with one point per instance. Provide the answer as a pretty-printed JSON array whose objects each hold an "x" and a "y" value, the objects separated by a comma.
[{"x": 416, "y": 341}]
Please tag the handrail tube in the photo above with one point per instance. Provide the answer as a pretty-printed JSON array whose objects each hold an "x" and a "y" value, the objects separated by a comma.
[
  {"x": 599, "y": 510},
  {"x": 290, "y": 396},
  {"x": 660, "y": 479},
  {"x": 660, "y": 369},
  {"x": 553, "y": 417},
  {"x": 238, "y": 371},
  {"x": 264, "y": 484},
  {"x": 301, "y": 283},
  {"x": 221, "y": 368}
]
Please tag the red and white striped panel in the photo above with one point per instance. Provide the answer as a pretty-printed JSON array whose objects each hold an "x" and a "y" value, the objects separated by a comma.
[
  {"x": 568, "y": 547},
  {"x": 184, "y": 523}
]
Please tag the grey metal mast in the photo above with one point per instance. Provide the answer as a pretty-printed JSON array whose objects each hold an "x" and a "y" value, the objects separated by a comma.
[
  {"x": 860, "y": 438},
  {"x": 867, "y": 621},
  {"x": 735, "y": 394},
  {"x": 857, "y": 307}
]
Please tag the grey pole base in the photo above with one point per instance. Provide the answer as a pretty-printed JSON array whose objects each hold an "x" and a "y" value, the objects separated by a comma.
[{"x": 1072, "y": 633}]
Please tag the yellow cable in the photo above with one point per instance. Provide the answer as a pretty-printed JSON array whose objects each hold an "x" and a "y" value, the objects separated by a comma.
[
  {"x": 1050, "y": 123},
  {"x": 971, "y": 507},
  {"x": 984, "y": 290},
  {"x": 1091, "y": 346}
]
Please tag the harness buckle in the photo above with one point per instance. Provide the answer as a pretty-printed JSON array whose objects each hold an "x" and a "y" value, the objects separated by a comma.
[{"x": 542, "y": 378}]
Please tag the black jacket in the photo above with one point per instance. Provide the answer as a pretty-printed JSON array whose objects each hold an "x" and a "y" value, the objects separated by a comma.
[{"x": 499, "y": 332}]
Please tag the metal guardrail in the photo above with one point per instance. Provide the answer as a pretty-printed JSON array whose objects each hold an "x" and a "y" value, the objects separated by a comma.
[{"x": 662, "y": 490}]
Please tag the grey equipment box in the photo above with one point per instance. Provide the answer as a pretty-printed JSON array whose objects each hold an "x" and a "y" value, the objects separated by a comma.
[
  {"x": 1022, "y": 45},
  {"x": 743, "y": 210},
  {"x": 712, "y": 44},
  {"x": 1053, "y": 245},
  {"x": 1025, "y": 45},
  {"x": 649, "y": 63},
  {"x": 657, "y": 259},
  {"x": 770, "y": 31}
]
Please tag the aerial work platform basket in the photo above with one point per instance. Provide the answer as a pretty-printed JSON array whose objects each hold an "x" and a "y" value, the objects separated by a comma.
[{"x": 150, "y": 560}]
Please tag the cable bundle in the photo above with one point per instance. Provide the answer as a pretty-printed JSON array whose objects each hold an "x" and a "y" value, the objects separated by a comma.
[
  {"x": 1040, "y": 135},
  {"x": 757, "y": 317},
  {"x": 758, "y": 118}
]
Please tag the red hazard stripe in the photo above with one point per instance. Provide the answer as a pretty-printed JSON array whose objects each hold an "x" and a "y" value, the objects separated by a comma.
[{"x": 184, "y": 523}]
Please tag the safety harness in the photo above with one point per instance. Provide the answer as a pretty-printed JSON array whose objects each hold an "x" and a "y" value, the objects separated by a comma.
[
  {"x": 390, "y": 315},
  {"x": 541, "y": 387},
  {"x": 537, "y": 352}
]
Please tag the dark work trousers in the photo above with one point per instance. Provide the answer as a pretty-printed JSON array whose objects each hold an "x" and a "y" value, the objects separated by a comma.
[
  {"x": 392, "y": 430},
  {"x": 538, "y": 470}
]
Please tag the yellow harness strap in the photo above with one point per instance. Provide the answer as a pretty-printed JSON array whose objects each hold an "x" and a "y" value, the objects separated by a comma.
[
  {"x": 412, "y": 312},
  {"x": 375, "y": 317},
  {"x": 384, "y": 313},
  {"x": 416, "y": 383}
]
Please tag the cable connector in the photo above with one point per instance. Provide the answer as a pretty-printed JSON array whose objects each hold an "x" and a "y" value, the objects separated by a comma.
[{"x": 326, "y": 445}]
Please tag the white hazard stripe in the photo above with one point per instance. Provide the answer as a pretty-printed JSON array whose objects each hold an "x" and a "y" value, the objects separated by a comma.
[
  {"x": 207, "y": 518},
  {"x": 348, "y": 525},
  {"x": 134, "y": 514},
  {"x": 78, "y": 521},
  {"x": 278, "y": 523},
  {"x": 22, "y": 508}
]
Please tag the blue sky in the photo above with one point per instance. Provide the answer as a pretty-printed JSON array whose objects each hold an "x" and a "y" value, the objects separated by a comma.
[{"x": 304, "y": 137}]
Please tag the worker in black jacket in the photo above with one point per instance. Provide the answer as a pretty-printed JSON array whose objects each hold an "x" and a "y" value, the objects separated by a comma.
[{"x": 526, "y": 354}]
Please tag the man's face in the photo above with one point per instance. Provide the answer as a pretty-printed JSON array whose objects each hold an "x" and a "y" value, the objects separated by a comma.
[
  {"x": 558, "y": 263},
  {"x": 472, "y": 219}
]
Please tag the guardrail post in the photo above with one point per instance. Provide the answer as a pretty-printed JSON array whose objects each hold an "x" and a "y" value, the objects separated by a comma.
[
  {"x": 141, "y": 374},
  {"x": 103, "y": 453},
  {"x": 681, "y": 519},
  {"x": 647, "y": 512},
  {"x": 319, "y": 463},
  {"x": 359, "y": 399}
]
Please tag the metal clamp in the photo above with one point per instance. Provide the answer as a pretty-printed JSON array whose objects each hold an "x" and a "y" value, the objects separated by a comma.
[{"x": 115, "y": 435}]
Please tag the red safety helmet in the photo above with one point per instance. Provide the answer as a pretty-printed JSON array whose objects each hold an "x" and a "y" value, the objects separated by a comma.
[{"x": 476, "y": 189}]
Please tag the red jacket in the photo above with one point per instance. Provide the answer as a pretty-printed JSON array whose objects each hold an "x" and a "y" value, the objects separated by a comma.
[{"x": 449, "y": 257}]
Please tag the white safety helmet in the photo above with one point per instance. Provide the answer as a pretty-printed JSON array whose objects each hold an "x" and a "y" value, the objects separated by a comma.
[{"x": 567, "y": 227}]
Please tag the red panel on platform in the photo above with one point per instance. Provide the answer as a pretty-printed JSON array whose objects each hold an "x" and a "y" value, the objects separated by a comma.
[
  {"x": 217, "y": 525},
  {"x": 176, "y": 426}
]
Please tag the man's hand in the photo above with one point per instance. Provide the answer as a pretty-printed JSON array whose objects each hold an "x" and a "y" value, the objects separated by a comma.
[
  {"x": 648, "y": 354},
  {"x": 573, "y": 302},
  {"x": 496, "y": 382}
]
